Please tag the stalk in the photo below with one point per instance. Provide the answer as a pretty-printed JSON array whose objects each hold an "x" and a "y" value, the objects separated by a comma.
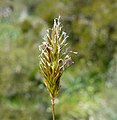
[{"x": 53, "y": 112}]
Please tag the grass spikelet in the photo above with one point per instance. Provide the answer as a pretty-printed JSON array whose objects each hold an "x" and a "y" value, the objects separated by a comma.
[{"x": 54, "y": 58}]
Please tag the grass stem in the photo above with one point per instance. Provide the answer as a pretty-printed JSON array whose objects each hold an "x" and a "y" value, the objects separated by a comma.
[{"x": 53, "y": 112}]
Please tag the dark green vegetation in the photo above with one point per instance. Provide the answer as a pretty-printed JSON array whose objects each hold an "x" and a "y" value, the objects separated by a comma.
[{"x": 88, "y": 90}]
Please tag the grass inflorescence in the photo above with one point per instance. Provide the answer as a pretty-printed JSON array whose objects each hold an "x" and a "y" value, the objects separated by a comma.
[{"x": 54, "y": 58}]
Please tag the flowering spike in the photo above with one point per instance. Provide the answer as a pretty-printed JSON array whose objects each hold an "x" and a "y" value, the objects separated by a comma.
[{"x": 54, "y": 57}]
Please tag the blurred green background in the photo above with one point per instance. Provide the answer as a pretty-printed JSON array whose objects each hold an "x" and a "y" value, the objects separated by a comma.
[{"x": 88, "y": 87}]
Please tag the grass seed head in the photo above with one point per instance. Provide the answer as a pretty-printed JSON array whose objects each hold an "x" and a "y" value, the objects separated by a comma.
[{"x": 54, "y": 57}]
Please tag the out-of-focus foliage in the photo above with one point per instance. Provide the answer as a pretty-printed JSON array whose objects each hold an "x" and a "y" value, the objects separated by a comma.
[{"x": 88, "y": 90}]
